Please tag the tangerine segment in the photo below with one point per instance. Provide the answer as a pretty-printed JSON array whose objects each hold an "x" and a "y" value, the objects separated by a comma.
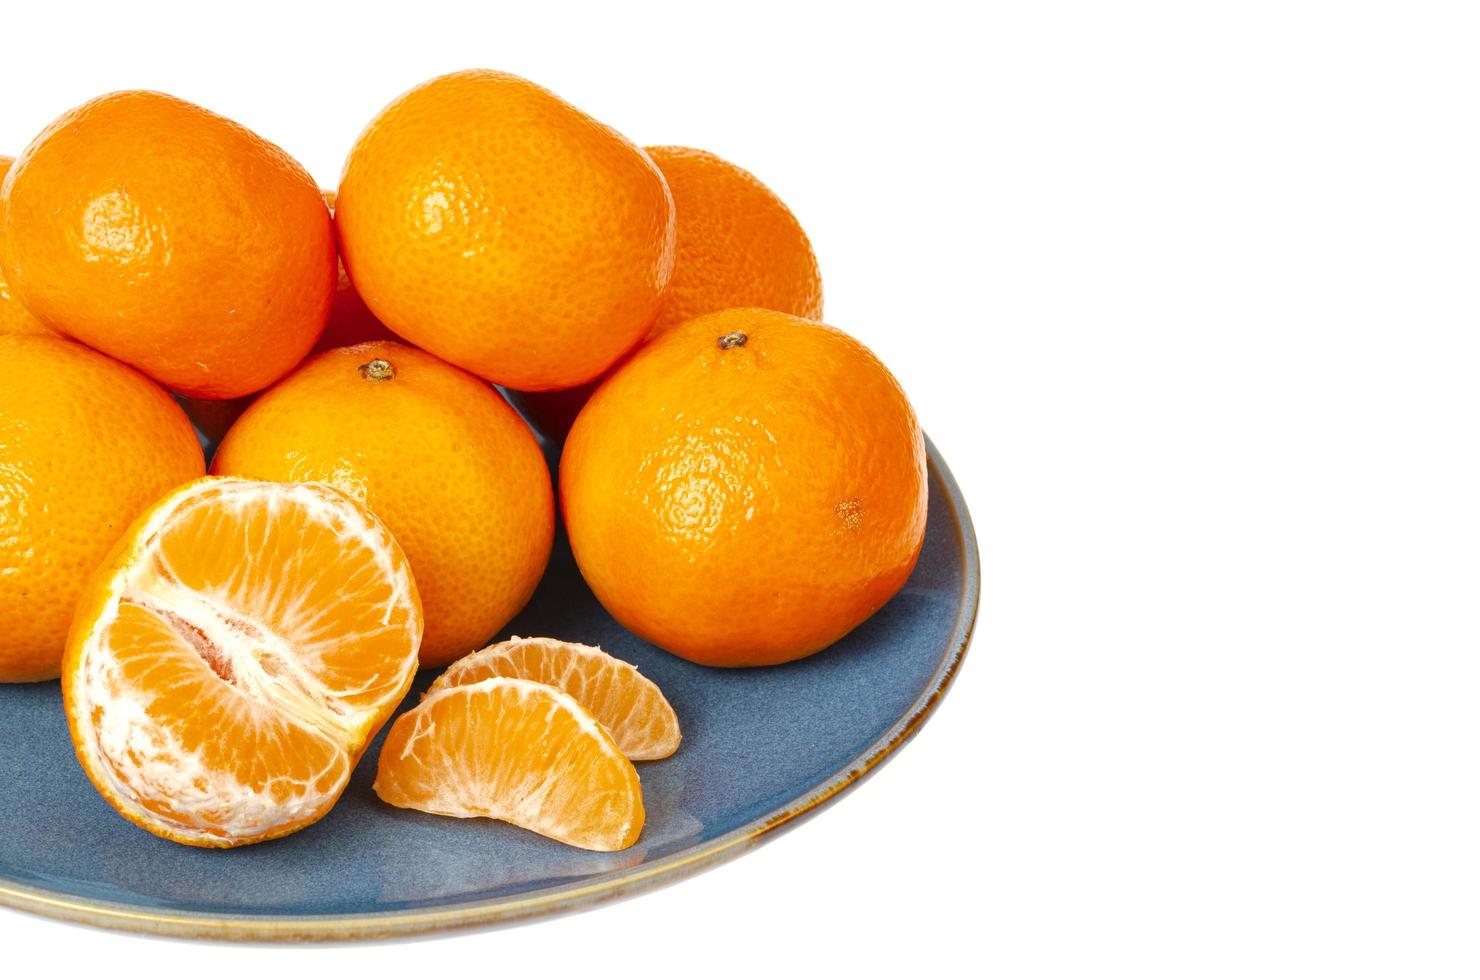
[
  {"x": 518, "y": 751},
  {"x": 230, "y": 661},
  {"x": 630, "y": 707}
]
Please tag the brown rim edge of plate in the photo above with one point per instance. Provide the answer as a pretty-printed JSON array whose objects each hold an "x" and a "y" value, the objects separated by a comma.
[{"x": 557, "y": 899}]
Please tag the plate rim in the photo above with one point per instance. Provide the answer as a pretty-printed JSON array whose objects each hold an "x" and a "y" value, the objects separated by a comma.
[{"x": 555, "y": 899}]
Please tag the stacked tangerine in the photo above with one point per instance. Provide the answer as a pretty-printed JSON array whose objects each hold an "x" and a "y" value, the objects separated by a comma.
[{"x": 741, "y": 484}]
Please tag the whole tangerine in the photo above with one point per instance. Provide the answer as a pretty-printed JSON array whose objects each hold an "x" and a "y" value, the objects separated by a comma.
[
  {"x": 172, "y": 239},
  {"x": 746, "y": 489},
  {"x": 489, "y": 222}
]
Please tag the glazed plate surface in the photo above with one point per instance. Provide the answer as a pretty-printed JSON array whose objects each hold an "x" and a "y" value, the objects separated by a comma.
[{"x": 762, "y": 748}]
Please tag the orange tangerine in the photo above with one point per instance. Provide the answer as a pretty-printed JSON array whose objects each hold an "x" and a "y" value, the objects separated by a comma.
[
  {"x": 437, "y": 454},
  {"x": 746, "y": 489},
  {"x": 232, "y": 658},
  {"x": 172, "y": 239},
  {"x": 86, "y": 444},
  {"x": 485, "y": 220},
  {"x": 14, "y": 317}
]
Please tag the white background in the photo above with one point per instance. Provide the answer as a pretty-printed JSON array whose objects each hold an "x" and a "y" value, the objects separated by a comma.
[{"x": 1187, "y": 296}]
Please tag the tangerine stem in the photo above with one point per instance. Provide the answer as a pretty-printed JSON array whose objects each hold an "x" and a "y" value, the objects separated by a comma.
[{"x": 378, "y": 370}]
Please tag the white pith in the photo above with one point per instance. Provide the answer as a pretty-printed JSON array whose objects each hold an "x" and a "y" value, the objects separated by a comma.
[
  {"x": 138, "y": 759},
  {"x": 524, "y": 806},
  {"x": 638, "y": 745}
]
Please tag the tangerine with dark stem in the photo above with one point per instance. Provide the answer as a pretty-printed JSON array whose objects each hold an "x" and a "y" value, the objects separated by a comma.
[
  {"x": 435, "y": 453},
  {"x": 746, "y": 489}
]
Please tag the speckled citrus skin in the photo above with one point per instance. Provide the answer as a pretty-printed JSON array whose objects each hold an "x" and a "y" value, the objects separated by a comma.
[
  {"x": 172, "y": 239},
  {"x": 737, "y": 243},
  {"x": 86, "y": 444},
  {"x": 746, "y": 489},
  {"x": 437, "y": 455},
  {"x": 14, "y": 317},
  {"x": 487, "y": 221}
]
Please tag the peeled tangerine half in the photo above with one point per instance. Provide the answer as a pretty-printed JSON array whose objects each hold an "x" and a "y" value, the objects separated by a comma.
[
  {"x": 235, "y": 654},
  {"x": 628, "y": 705},
  {"x": 514, "y": 750}
]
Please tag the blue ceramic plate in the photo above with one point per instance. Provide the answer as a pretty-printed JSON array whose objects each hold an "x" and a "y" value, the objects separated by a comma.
[{"x": 761, "y": 749}]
